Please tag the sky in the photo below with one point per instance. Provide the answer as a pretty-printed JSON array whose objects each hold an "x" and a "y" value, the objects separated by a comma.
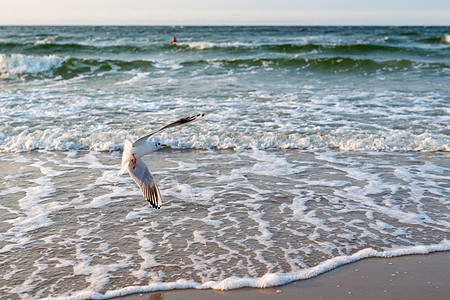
[{"x": 224, "y": 12}]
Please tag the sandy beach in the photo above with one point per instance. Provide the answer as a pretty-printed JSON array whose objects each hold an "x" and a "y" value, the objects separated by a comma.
[{"x": 404, "y": 277}]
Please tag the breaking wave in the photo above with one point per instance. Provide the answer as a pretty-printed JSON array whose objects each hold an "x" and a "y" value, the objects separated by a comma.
[
  {"x": 104, "y": 139},
  {"x": 69, "y": 67},
  {"x": 41, "y": 47},
  {"x": 24, "y": 64}
]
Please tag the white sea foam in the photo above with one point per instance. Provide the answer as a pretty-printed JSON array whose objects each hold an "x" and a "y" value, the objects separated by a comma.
[
  {"x": 345, "y": 120},
  {"x": 27, "y": 64},
  {"x": 168, "y": 64},
  {"x": 446, "y": 38},
  {"x": 268, "y": 280},
  {"x": 210, "y": 45},
  {"x": 144, "y": 252},
  {"x": 34, "y": 213},
  {"x": 260, "y": 224},
  {"x": 139, "y": 76},
  {"x": 45, "y": 41},
  {"x": 102, "y": 140},
  {"x": 198, "y": 45}
]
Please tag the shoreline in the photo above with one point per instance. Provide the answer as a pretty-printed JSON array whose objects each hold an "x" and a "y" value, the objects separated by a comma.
[{"x": 415, "y": 276}]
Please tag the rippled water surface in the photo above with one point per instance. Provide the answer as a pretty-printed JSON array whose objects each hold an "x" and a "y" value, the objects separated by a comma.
[
  {"x": 369, "y": 88},
  {"x": 319, "y": 146}
]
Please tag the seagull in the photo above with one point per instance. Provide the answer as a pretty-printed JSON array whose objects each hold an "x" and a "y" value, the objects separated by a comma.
[{"x": 131, "y": 160}]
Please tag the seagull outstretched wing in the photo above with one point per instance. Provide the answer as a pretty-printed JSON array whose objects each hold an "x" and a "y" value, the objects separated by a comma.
[
  {"x": 144, "y": 179},
  {"x": 131, "y": 159},
  {"x": 179, "y": 122}
]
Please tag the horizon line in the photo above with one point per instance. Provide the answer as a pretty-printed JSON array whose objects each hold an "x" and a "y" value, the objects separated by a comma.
[{"x": 235, "y": 25}]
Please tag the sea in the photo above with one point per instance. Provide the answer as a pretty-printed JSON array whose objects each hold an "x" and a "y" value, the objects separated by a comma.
[{"x": 320, "y": 146}]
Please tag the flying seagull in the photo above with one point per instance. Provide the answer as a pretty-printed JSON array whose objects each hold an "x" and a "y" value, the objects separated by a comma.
[{"x": 131, "y": 160}]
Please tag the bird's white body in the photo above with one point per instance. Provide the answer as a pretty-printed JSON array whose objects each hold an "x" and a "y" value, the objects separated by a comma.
[
  {"x": 131, "y": 152},
  {"x": 131, "y": 161}
]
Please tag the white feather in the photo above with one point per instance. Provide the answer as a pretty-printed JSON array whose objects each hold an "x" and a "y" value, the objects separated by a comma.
[{"x": 127, "y": 156}]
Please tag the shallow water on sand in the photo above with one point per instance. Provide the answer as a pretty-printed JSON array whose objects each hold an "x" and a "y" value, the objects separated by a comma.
[{"x": 71, "y": 227}]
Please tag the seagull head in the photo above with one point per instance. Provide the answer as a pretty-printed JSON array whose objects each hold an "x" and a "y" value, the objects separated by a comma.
[{"x": 159, "y": 145}]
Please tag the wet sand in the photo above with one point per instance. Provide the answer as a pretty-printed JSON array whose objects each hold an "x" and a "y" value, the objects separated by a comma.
[{"x": 404, "y": 277}]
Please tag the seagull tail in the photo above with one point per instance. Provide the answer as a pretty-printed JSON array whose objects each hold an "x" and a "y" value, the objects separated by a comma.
[{"x": 126, "y": 156}]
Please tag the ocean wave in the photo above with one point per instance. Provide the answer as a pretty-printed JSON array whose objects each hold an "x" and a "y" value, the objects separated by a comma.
[
  {"x": 107, "y": 140},
  {"x": 304, "y": 48},
  {"x": 24, "y": 64},
  {"x": 265, "y": 281},
  {"x": 44, "y": 47},
  {"x": 347, "y": 49},
  {"x": 48, "y": 46},
  {"x": 75, "y": 66},
  {"x": 321, "y": 64},
  {"x": 270, "y": 279},
  {"x": 446, "y": 38},
  {"x": 66, "y": 67},
  {"x": 438, "y": 39}
]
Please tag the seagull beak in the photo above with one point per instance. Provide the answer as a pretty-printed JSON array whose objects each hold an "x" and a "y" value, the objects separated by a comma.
[{"x": 163, "y": 145}]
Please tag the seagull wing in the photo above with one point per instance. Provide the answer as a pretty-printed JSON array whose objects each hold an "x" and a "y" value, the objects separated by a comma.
[
  {"x": 179, "y": 122},
  {"x": 144, "y": 179}
]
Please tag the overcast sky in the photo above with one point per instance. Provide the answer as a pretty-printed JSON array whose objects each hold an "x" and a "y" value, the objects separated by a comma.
[{"x": 224, "y": 12}]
